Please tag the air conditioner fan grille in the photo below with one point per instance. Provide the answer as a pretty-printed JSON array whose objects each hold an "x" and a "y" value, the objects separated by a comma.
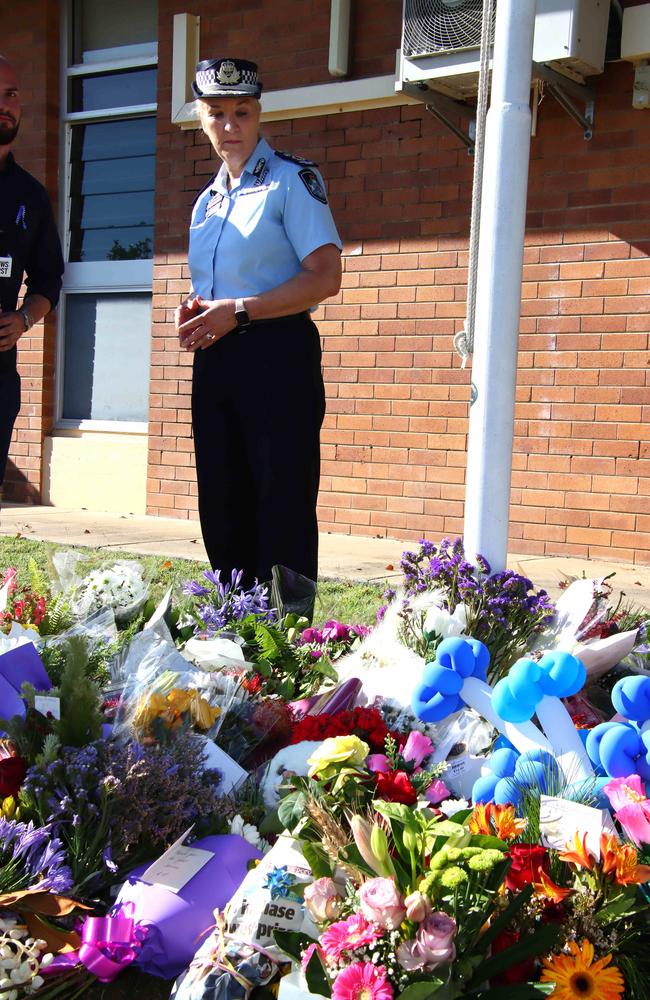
[{"x": 432, "y": 26}]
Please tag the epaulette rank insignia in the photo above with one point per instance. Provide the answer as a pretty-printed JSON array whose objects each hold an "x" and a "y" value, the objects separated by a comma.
[{"x": 292, "y": 158}]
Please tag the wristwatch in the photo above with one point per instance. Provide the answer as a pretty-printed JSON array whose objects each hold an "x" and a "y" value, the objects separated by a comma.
[
  {"x": 242, "y": 317},
  {"x": 27, "y": 318}
]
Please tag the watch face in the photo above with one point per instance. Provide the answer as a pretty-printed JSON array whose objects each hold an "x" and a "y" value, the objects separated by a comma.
[{"x": 242, "y": 317}]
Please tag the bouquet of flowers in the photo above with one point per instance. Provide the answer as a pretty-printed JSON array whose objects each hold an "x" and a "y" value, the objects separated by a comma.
[
  {"x": 412, "y": 905},
  {"x": 503, "y": 609},
  {"x": 20, "y": 605},
  {"x": 112, "y": 804},
  {"x": 121, "y": 587},
  {"x": 219, "y": 605},
  {"x": 366, "y": 723},
  {"x": 333, "y": 639}
]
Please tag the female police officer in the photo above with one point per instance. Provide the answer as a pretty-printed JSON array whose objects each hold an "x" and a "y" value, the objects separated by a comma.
[{"x": 263, "y": 251}]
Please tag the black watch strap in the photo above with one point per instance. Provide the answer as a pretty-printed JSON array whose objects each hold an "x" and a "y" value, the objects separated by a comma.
[{"x": 242, "y": 317}]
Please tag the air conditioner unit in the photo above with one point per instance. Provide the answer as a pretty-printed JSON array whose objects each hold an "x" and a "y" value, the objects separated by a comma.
[{"x": 441, "y": 41}]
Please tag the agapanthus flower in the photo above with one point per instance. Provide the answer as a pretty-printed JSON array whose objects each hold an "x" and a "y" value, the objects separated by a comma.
[
  {"x": 30, "y": 856},
  {"x": 224, "y": 603}
]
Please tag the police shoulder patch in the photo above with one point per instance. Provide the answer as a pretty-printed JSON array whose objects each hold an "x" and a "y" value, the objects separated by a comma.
[
  {"x": 312, "y": 182},
  {"x": 292, "y": 158}
]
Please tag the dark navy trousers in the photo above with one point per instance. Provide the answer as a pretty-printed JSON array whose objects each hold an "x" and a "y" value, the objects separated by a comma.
[
  {"x": 258, "y": 403},
  {"x": 9, "y": 403}
]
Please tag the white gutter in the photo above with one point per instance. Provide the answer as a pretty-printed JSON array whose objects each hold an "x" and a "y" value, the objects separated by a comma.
[{"x": 498, "y": 296}]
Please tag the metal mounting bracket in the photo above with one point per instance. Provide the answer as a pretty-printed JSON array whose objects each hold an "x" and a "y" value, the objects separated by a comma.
[
  {"x": 569, "y": 94},
  {"x": 445, "y": 109}
]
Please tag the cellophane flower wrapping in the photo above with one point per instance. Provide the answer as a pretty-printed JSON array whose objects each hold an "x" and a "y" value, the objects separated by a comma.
[{"x": 120, "y": 586}]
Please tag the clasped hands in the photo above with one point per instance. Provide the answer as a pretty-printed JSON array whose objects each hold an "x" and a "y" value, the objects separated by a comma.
[
  {"x": 200, "y": 322},
  {"x": 12, "y": 327}
]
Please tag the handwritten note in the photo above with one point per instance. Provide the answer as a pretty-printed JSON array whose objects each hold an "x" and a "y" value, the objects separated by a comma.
[{"x": 177, "y": 865}]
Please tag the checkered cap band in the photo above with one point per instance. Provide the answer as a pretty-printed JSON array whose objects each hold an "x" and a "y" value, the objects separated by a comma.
[{"x": 209, "y": 78}]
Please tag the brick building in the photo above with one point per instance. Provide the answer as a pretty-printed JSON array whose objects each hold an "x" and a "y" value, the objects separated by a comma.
[{"x": 105, "y": 422}]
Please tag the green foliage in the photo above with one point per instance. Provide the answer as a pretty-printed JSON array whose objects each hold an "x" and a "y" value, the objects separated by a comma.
[{"x": 81, "y": 721}]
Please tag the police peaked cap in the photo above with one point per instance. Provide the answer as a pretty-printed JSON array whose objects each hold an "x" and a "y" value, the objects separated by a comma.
[{"x": 226, "y": 78}]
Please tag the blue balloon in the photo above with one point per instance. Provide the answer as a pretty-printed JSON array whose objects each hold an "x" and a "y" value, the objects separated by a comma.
[
  {"x": 631, "y": 697},
  {"x": 483, "y": 788},
  {"x": 594, "y": 739},
  {"x": 563, "y": 675},
  {"x": 624, "y": 751},
  {"x": 438, "y": 693},
  {"x": 507, "y": 706},
  {"x": 503, "y": 762}
]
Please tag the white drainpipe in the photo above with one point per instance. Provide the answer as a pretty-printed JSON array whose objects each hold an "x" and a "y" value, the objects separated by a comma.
[{"x": 498, "y": 293}]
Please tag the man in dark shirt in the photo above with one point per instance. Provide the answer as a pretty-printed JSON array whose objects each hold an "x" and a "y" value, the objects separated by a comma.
[{"x": 29, "y": 244}]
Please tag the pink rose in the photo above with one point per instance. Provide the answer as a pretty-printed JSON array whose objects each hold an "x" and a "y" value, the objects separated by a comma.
[
  {"x": 418, "y": 906},
  {"x": 437, "y": 792},
  {"x": 409, "y": 957},
  {"x": 417, "y": 747},
  {"x": 382, "y": 903},
  {"x": 435, "y": 940},
  {"x": 378, "y": 762},
  {"x": 322, "y": 900}
]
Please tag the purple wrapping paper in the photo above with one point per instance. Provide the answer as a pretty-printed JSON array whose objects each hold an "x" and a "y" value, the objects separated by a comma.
[
  {"x": 177, "y": 921},
  {"x": 17, "y": 666}
]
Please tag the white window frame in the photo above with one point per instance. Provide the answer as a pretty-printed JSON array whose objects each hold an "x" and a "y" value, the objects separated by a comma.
[
  {"x": 98, "y": 277},
  {"x": 277, "y": 105}
]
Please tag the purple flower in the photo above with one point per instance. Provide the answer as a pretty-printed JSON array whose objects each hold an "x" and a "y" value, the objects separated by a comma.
[{"x": 194, "y": 588}]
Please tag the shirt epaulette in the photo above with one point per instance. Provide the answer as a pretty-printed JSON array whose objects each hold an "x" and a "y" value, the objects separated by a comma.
[{"x": 292, "y": 158}]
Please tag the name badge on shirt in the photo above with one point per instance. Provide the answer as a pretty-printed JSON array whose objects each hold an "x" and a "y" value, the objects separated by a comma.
[
  {"x": 5, "y": 267},
  {"x": 213, "y": 205}
]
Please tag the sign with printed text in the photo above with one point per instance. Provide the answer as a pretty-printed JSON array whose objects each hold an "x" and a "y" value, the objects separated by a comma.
[{"x": 5, "y": 267}]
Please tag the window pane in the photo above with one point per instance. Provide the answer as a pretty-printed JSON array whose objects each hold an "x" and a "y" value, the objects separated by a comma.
[
  {"x": 106, "y": 367},
  {"x": 113, "y": 90},
  {"x": 100, "y": 28},
  {"x": 112, "y": 175}
]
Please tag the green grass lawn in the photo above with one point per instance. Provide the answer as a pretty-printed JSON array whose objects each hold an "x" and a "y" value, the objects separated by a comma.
[{"x": 345, "y": 600}]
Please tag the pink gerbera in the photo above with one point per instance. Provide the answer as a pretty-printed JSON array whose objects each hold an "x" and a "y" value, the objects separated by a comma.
[
  {"x": 362, "y": 981},
  {"x": 347, "y": 935}
]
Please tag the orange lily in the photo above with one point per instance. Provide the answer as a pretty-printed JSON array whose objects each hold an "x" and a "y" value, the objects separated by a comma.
[
  {"x": 506, "y": 824},
  {"x": 547, "y": 887},
  {"x": 479, "y": 821},
  {"x": 621, "y": 861},
  {"x": 489, "y": 818},
  {"x": 576, "y": 853}
]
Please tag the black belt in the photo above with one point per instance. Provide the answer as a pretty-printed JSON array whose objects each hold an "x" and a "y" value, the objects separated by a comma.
[{"x": 277, "y": 320}]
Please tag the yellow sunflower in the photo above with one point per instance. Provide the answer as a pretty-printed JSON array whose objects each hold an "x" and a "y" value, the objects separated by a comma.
[{"x": 577, "y": 975}]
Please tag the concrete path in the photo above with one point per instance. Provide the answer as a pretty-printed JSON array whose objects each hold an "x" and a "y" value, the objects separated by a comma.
[{"x": 341, "y": 556}]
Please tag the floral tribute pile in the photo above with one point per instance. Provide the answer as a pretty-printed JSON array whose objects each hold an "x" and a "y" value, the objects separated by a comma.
[{"x": 222, "y": 794}]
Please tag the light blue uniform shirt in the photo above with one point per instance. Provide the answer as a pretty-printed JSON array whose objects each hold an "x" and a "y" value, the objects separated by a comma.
[{"x": 251, "y": 239}]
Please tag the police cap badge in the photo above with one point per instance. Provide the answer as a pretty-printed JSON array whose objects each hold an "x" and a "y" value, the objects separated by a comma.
[{"x": 226, "y": 78}]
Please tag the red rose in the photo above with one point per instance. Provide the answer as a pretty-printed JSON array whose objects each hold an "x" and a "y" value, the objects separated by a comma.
[
  {"x": 12, "y": 775},
  {"x": 519, "y": 973},
  {"x": 396, "y": 787},
  {"x": 528, "y": 860}
]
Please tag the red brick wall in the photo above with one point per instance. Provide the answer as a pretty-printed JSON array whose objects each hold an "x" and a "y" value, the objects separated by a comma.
[
  {"x": 395, "y": 433},
  {"x": 30, "y": 39}
]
